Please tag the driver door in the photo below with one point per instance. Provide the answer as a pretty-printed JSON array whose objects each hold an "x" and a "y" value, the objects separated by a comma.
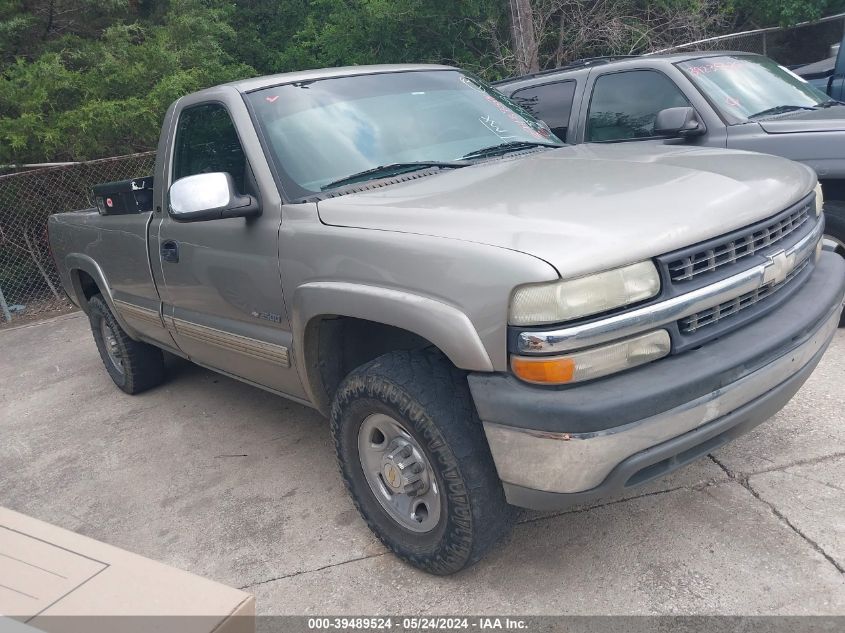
[{"x": 219, "y": 279}]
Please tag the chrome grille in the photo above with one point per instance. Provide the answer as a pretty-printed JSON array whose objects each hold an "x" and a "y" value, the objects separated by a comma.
[
  {"x": 756, "y": 239},
  {"x": 707, "y": 317}
]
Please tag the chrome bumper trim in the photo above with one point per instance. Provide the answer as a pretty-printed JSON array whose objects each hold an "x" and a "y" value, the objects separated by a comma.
[
  {"x": 571, "y": 462},
  {"x": 658, "y": 314}
]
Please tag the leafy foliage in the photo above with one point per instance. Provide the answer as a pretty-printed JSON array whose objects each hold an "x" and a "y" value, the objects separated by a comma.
[
  {"x": 90, "y": 78},
  {"x": 90, "y": 95},
  {"x": 784, "y": 12}
]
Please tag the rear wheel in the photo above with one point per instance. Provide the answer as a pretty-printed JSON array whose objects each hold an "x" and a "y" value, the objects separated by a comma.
[
  {"x": 415, "y": 460},
  {"x": 132, "y": 365},
  {"x": 834, "y": 232}
]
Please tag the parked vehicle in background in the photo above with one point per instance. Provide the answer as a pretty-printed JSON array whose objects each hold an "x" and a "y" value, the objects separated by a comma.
[
  {"x": 828, "y": 75},
  {"x": 718, "y": 99},
  {"x": 489, "y": 318}
]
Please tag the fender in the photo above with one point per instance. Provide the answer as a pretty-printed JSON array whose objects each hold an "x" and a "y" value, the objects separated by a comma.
[
  {"x": 442, "y": 324},
  {"x": 78, "y": 261}
]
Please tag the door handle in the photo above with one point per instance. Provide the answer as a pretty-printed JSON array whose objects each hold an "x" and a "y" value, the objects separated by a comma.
[{"x": 170, "y": 252}]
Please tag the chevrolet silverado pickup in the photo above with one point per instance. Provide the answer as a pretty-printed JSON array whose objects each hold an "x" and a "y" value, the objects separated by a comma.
[
  {"x": 489, "y": 318},
  {"x": 716, "y": 99}
]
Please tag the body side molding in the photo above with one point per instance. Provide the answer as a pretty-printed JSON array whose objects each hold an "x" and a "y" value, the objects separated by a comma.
[
  {"x": 254, "y": 348},
  {"x": 132, "y": 311}
]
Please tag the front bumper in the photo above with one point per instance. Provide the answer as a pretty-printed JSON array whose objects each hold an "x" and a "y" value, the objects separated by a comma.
[{"x": 555, "y": 448}]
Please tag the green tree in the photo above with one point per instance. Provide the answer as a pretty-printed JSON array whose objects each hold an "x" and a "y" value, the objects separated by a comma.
[
  {"x": 86, "y": 97},
  {"x": 300, "y": 34},
  {"x": 782, "y": 12},
  {"x": 26, "y": 25},
  {"x": 91, "y": 78}
]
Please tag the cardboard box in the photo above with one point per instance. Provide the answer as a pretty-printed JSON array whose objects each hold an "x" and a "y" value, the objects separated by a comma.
[{"x": 54, "y": 580}]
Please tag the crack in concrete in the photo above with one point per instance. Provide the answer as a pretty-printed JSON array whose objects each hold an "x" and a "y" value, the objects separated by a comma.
[
  {"x": 801, "y": 462},
  {"x": 311, "y": 571},
  {"x": 812, "y": 479},
  {"x": 524, "y": 522},
  {"x": 732, "y": 477},
  {"x": 614, "y": 502},
  {"x": 742, "y": 480},
  {"x": 545, "y": 517}
]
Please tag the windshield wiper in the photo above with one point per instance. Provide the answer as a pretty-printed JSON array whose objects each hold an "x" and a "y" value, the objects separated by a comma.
[
  {"x": 504, "y": 148},
  {"x": 829, "y": 103},
  {"x": 781, "y": 109},
  {"x": 392, "y": 169}
]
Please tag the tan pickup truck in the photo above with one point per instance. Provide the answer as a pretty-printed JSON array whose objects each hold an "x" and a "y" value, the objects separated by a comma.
[{"x": 489, "y": 317}]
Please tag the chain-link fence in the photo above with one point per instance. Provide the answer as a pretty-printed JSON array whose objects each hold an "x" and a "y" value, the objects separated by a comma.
[
  {"x": 29, "y": 283},
  {"x": 791, "y": 46}
]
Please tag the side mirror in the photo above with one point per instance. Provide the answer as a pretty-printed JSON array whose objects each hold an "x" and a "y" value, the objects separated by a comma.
[
  {"x": 209, "y": 197},
  {"x": 678, "y": 123}
]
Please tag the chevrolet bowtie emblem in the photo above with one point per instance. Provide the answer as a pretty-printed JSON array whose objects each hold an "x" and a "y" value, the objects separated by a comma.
[{"x": 778, "y": 268}]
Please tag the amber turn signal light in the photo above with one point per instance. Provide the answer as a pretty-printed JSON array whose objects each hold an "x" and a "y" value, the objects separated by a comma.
[
  {"x": 546, "y": 371},
  {"x": 594, "y": 362}
]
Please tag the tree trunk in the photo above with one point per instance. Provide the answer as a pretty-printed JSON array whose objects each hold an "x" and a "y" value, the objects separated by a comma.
[
  {"x": 524, "y": 38},
  {"x": 51, "y": 12}
]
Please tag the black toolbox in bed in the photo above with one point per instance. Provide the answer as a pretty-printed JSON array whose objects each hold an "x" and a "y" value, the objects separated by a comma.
[{"x": 124, "y": 196}]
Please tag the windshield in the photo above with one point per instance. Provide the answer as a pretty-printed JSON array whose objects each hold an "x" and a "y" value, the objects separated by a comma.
[
  {"x": 322, "y": 132},
  {"x": 748, "y": 87}
]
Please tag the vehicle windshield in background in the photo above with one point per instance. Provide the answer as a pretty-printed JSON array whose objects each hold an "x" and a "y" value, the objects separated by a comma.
[
  {"x": 746, "y": 88},
  {"x": 329, "y": 132}
]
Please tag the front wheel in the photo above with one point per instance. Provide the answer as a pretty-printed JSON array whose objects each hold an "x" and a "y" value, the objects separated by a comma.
[
  {"x": 415, "y": 460},
  {"x": 834, "y": 232}
]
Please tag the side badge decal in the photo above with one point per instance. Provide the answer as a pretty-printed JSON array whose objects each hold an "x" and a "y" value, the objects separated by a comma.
[{"x": 267, "y": 316}]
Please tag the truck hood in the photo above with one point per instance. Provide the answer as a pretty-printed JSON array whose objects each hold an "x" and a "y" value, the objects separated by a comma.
[
  {"x": 824, "y": 120},
  {"x": 587, "y": 207}
]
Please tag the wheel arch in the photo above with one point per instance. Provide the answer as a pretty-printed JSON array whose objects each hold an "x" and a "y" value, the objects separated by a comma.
[
  {"x": 330, "y": 316},
  {"x": 88, "y": 279}
]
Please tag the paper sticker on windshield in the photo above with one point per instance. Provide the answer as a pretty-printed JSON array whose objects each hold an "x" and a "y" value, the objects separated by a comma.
[{"x": 271, "y": 99}]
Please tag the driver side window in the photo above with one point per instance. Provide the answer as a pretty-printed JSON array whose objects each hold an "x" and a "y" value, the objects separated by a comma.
[
  {"x": 624, "y": 105},
  {"x": 206, "y": 142}
]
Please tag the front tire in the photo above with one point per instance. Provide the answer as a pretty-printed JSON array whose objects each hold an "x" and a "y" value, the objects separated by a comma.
[
  {"x": 413, "y": 455},
  {"x": 834, "y": 232},
  {"x": 132, "y": 365}
]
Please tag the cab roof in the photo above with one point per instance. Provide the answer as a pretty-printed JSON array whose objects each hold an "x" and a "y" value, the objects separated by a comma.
[
  {"x": 620, "y": 62},
  {"x": 268, "y": 81}
]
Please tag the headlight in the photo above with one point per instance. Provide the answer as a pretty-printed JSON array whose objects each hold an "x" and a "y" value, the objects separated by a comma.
[
  {"x": 592, "y": 363},
  {"x": 539, "y": 304},
  {"x": 819, "y": 199}
]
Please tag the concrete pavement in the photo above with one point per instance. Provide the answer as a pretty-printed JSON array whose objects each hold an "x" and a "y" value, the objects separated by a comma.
[{"x": 230, "y": 482}]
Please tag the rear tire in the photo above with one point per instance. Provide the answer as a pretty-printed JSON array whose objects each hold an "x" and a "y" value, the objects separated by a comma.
[
  {"x": 132, "y": 365},
  {"x": 427, "y": 402},
  {"x": 834, "y": 231}
]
